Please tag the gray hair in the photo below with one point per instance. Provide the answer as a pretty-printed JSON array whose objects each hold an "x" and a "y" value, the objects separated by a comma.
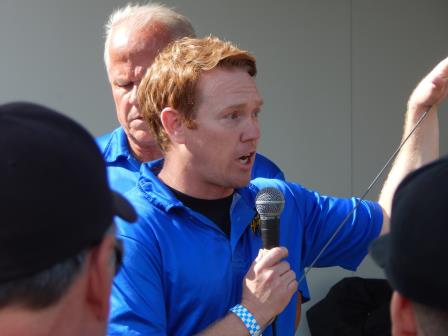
[
  {"x": 139, "y": 16},
  {"x": 430, "y": 321},
  {"x": 45, "y": 288}
]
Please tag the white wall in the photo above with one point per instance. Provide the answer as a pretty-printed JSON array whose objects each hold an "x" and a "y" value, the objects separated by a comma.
[{"x": 334, "y": 75}]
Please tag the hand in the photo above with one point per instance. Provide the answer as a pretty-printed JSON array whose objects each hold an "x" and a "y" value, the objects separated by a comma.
[
  {"x": 432, "y": 90},
  {"x": 268, "y": 285}
]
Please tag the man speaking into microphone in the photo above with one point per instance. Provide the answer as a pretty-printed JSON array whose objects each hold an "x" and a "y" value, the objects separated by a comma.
[{"x": 193, "y": 262}]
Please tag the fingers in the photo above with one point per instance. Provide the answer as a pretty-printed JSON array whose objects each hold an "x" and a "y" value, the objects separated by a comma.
[
  {"x": 441, "y": 68},
  {"x": 269, "y": 258},
  {"x": 432, "y": 90},
  {"x": 269, "y": 284},
  {"x": 281, "y": 268},
  {"x": 290, "y": 280},
  {"x": 275, "y": 272}
]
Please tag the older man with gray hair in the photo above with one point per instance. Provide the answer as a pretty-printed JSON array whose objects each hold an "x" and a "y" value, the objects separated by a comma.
[
  {"x": 135, "y": 34},
  {"x": 58, "y": 251}
]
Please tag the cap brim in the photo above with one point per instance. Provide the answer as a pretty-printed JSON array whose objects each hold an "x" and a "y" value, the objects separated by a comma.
[
  {"x": 379, "y": 250},
  {"x": 123, "y": 208}
]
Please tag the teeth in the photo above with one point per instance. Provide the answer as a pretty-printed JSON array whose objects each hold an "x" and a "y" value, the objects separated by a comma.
[{"x": 244, "y": 159}]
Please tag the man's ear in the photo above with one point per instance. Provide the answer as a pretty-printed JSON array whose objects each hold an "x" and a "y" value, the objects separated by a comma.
[
  {"x": 173, "y": 124},
  {"x": 403, "y": 316},
  {"x": 100, "y": 273}
]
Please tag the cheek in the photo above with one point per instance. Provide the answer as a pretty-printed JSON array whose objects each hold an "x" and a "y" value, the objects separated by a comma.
[
  {"x": 122, "y": 106},
  {"x": 215, "y": 144},
  {"x": 119, "y": 97},
  {"x": 221, "y": 147}
]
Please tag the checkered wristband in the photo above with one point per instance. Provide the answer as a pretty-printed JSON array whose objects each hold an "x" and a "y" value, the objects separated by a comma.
[{"x": 247, "y": 318}]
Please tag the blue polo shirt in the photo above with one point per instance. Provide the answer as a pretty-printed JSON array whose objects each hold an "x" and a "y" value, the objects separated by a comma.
[
  {"x": 181, "y": 273},
  {"x": 123, "y": 168}
]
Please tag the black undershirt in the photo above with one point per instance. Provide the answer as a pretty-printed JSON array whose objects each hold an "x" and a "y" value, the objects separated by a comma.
[{"x": 217, "y": 210}]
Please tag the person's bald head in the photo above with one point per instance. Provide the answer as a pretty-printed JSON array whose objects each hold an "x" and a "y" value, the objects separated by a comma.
[
  {"x": 158, "y": 21},
  {"x": 135, "y": 35}
]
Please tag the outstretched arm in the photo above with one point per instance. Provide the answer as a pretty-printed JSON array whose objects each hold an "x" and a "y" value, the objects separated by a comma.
[{"x": 423, "y": 146}]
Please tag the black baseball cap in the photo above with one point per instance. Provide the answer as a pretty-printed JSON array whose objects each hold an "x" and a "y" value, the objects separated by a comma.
[
  {"x": 414, "y": 254},
  {"x": 55, "y": 199}
]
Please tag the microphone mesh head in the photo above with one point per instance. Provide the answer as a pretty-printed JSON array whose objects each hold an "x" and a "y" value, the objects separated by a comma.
[{"x": 269, "y": 202}]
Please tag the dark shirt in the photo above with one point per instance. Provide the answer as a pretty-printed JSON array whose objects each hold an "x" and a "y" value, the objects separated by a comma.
[{"x": 217, "y": 210}]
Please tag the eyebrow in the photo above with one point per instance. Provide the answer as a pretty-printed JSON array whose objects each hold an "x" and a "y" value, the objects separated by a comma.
[
  {"x": 238, "y": 106},
  {"x": 121, "y": 81}
]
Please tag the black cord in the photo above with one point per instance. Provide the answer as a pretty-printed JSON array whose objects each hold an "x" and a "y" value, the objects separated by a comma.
[
  {"x": 363, "y": 195},
  {"x": 274, "y": 327}
]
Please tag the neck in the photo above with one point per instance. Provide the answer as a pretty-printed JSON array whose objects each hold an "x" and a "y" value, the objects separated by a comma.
[
  {"x": 56, "y": 320},
  {"x": 145, "y": 153},
  {"x": 70, "y": 315},
  {"x": 181, "y": 176}
]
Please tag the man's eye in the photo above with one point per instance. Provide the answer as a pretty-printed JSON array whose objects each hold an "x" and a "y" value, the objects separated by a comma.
[
  {"x": 124, "y": 85},
  {"x": 256, "y": 114},
  {"x": 234, "y": 115}
]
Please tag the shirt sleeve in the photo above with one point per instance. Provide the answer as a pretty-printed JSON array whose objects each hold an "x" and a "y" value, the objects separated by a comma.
[
  {"x": 137, "y": 301},
  {"x": 342, "y": 227}
]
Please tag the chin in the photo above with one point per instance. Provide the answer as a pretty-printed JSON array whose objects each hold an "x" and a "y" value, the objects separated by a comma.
[
  {"x": 242, "y": 182},
  {"x": 143, "y": 136}
]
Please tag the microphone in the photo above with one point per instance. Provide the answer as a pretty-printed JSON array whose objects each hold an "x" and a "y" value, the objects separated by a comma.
[{"x": 269, "y": 203}]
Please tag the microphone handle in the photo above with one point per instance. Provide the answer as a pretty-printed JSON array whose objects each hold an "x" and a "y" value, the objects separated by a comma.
[
  {"x": 269, "y": 232},
  {"x": 269, "y": 227}
]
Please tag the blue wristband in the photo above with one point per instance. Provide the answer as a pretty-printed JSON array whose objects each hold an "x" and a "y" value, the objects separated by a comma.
[{"x": 247, "y": 318}]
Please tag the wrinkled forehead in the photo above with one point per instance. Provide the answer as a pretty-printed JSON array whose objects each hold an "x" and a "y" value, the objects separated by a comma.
[{"x": 129, "y": 43}]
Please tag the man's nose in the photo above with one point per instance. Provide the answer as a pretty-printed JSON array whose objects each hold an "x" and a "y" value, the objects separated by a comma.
[
  {"x": 133, "y": 99},
  {"x": 251, "y": 131}
]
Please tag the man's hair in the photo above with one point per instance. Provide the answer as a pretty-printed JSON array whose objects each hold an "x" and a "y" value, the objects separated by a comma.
[
  {"x": 137, "y": 17},
  {"x": 172, "y": 79},
  {"x": 47, "y": 287},
  {"x": 431, "y": 321},
  {"x": 42, "y": 289}
]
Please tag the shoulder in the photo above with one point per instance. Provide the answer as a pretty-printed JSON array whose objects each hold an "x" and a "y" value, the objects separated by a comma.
[
  {"x": 264, "y": 167},
  {"x": 142, "y": 202},
  {"x": 291, "y": 191},
  {"x": 153, "y": 208},
  {"x": 286, "y": 187},
  {"x": 103, "y": 141},
  {"x": 298, "y": 199},
  {"x": 142, "y": 230}
]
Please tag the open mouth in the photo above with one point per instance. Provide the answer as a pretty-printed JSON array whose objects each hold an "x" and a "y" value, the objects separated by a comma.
[{"x": 246, "y": 159}]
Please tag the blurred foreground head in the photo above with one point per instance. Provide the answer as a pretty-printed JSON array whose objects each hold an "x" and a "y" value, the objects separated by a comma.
[
  {"x": 414, "y": 254},
  {"x": 57, "y": 249}
]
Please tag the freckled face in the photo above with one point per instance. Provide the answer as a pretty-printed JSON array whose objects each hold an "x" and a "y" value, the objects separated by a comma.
[
  {"x": 130, "y": 54},
  {"x": 223, "y": 145}
]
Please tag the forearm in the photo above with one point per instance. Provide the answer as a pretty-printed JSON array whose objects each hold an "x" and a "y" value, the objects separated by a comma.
[{"x": 421, "y": 147}]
